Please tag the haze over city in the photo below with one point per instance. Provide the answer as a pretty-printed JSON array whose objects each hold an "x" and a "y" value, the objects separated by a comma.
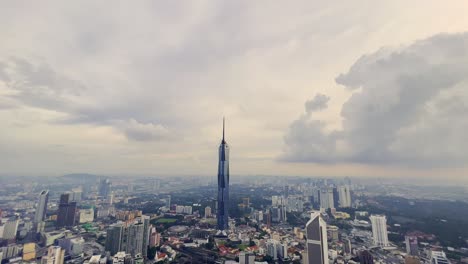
[{"x": 360, "y": 88}]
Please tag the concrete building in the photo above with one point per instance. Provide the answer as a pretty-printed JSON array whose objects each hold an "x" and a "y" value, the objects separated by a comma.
[
  {"x": 207, "y": 212},
  {"x": 344, "y": 196},
  {"x": 439, "y": 257},
  {"x": 246, "y": 258},
  {"x": 316, "y": 235},
  {"x": 10, "y": 229},
  {"x": 29, "y": 251},
  {"x": 86, "y": 215},
  {"x": 55, "y": 255},
  {"x": 379, "y": 230},
  {"x": 41, "y": 208},
  {"x": 66, "y": 211},
  {"x": 326, "y": 199},
  {"x": 412, "y": 245}
]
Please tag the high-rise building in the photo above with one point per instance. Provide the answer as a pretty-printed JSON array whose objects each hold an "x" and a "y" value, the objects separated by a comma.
[
  {"x": 365, "y": 257},
  {"x": 317, "y": 246},
  {"x": 326, "y": 198},
  {"x": 155, "y": 237},
  {"x": 145, "y": 219},
  {"x": 114, "y": 238},
  {"x": 271, "y": 248},
  {"x": 344, "y": 196},
  {"x": 41, "y": 206},
  {"x": 10, "y": 228},
  {"x": 66, "y": 211},
  {"x": 246, "y": 258},
  {"x": 55, "y": 255},
  {"x": 379, "y": 230},
  {"x": 207, "y": 212},
  {"x": 223, "y": 187},
  {"x": 131, "y": 237},
  {"x": 347, "y": 245},
  {"x": 412, "y": 245},
  {"x": 104, "y": 188},
  {"x": 332, "y": 233},
  {"x": 439, "y": 257}
]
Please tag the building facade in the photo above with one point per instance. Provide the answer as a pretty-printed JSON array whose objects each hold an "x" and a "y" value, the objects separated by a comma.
[{"x": 316, "y": 246}]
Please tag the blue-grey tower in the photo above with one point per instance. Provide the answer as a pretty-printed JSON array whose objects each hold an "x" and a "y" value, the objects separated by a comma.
[{"x": 223, "y": 187}]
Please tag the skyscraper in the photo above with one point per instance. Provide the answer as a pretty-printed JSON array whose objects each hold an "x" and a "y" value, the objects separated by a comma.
[
  {"x": 411, "y": 245},
  {"x": 316, "y": 247},
  {"x": 344, "y": 196},
  {"x": 115, "y": 234},
  {"x": 104, "y": 187},
  {"x": 326, "y": 199},
  {"x": 10, "y": 229},
  {"x": 41, "y": 206},
  {"x": 223, "y": 186},
  {"x": 379, "y": 230},
  {"x": 66, "y": 211},
  {"x": 131, "y": 237}
]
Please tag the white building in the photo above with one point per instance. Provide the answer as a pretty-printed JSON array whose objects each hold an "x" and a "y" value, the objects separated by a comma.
[
  {"x": 326, "y": 199},
  {"x": 439, "y": 257},
  {"x": 379, "y": 230},
  {"x": 10, "y": 229},
  {"x": 344, "y": 196}
]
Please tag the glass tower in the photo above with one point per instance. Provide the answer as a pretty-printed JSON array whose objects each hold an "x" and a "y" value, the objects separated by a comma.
[{"x": 223, "y": 185}]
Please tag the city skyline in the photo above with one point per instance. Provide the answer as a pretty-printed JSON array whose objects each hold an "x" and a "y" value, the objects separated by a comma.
[{"x": 109, "y": 94}]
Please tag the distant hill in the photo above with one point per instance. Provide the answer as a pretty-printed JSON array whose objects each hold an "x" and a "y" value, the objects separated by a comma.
[{"x": 81, "y": 177}]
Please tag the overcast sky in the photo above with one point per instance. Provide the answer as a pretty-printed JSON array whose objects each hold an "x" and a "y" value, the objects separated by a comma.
[{"x": 320, "y": 88}]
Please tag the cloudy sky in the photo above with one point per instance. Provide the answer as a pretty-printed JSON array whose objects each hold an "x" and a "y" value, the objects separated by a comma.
[{"x": 321, "y": 88}]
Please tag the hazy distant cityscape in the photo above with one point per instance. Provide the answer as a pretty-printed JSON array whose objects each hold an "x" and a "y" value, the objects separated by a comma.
[{"x": 84, "y": 218}]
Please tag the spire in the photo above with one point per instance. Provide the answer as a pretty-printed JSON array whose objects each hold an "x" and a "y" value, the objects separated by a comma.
[{"x": 223, "y": 132}]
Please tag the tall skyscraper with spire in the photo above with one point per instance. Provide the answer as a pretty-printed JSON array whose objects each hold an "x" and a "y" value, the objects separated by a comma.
[{"x": 223, "y": 186}]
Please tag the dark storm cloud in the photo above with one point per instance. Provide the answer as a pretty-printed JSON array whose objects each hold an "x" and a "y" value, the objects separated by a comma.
[{"x": 409, "y": 107}]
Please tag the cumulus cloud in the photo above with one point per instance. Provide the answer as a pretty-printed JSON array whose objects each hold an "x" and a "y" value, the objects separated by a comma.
[
  {"x": 319, "y": 102},
  {"x": 409, "y": 107},
  {"x": 36, "y": 84}
]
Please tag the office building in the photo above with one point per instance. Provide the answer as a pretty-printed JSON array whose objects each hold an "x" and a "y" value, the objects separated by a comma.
[
  {"x": 104, "y": 188},
  {"x": 271, "y": 248},
  {"x": 412, "y": 245},
  {"x": 326, "y": 199},
  {"x": 223, "y": 187},
  {"x": 10, "y": 229},
  {"x": 131, "y": 237},
  {"x": 114, "y": 238},
  {"x": 155, "y": 237},
  {"x": 379, "y": 230},
  {"x": 41, "y": 209},
  {"x": 66, "y": 211},
  {"x": 332, "y": 233},
  {"x": 316, "y": 245},
  {"x": 207, "y": 212},
  {"x": 55, "y": 255},
  {"x": 344, "y": 196}
]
